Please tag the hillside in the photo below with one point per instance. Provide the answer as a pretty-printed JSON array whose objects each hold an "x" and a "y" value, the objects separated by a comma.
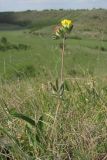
[
  {"x": 24, "y": 32},
  {"x": 87, "y": 23},
  {"x": 41, "y": 117},
  {"x": 84, "y": 18}
]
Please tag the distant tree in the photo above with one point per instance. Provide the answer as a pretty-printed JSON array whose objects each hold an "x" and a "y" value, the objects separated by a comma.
[
  {"x": 4, "y": 40},
  {"x": 28, "y": 10},
  {"x": 61, "y": 9}
]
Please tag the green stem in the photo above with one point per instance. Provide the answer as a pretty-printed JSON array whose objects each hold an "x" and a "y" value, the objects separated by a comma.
[{"x": 62, "y": 58}]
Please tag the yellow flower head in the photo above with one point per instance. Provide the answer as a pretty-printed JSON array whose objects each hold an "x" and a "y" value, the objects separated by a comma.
[
  {"x": 62, "y": 30},
  {"x": 66, "y": 23}
]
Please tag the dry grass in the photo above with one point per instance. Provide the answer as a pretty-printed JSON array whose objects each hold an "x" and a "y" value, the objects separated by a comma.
[{"x": 80, "y": 128}]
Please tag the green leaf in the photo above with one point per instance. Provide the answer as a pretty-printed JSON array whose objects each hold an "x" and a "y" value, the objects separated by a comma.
[
  {"x": 39, "y": 127},
  {"x": 71, "y": 28},
  {"x": 67, "y": 86},
  {"x": 40, "y": 123},
  {"x": 61, "y": 89},
  {"x": 57, "y": 84},
  {"x": 53, "y": 87},
  {"x": 25, "y": 118},
  {"x": 30, "y": 135}
]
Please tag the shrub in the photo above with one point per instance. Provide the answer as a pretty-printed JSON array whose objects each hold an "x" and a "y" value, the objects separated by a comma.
[
  {"x": 103, "y": 48},
  {"x": 22, "y": 46},
  {"x": 5, "y": 45},
  {"x": 4, "y": 40},
  {"x": 27, "y": 71}
]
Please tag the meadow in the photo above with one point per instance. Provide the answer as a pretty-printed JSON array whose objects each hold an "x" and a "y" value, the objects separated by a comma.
[
  {"x": 43, "y": 54},
  {"x": 41, "y": 119}
]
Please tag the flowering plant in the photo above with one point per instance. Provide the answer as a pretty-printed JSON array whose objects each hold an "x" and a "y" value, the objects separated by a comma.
[{"x": 63, "y": 29}]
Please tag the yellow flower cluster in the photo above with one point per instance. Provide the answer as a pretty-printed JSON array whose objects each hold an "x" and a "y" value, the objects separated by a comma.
[
  {"x": 67, "y": 23},
  {"x": 63, "y": 29}
]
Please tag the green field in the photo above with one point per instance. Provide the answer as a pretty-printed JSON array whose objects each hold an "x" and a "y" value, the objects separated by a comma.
[
  {"x": 86, "y": 49},
  {"x": 81, "y": 55},
  {"x": 41, "y": 118}
]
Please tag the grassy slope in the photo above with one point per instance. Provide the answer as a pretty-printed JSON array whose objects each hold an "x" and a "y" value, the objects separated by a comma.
[
  {"x": 81, "y": 55},
  {"x": 79, "y": 131},
  {"x": 85, "y": 19}
]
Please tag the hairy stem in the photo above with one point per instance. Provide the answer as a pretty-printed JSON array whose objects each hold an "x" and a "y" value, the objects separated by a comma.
[{"x": 62, "y": 58}]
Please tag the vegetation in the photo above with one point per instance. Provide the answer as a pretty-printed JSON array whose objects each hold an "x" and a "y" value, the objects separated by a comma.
[
  {"x": 5, "y": 45},
  {"x": 40, "y": 117}
]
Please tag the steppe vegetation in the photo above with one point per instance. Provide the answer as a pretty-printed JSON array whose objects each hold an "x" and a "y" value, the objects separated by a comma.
[{"x": 40, "y": 118}]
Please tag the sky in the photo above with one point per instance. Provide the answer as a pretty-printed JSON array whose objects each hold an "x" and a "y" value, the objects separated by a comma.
[{"x": 22, "y": 5}]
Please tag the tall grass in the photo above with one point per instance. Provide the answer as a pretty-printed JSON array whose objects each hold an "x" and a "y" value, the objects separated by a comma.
[
  {"x": 79, "y": 131},
  {"x": 44, "y": 120}
]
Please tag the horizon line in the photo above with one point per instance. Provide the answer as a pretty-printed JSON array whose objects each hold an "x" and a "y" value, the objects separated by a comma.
[{"x": 53, "y": 9}]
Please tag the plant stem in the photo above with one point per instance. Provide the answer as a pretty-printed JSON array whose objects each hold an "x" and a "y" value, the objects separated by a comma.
[
  {"x": 62, "y": 58},
  {"x": 55, "y": 118}
]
